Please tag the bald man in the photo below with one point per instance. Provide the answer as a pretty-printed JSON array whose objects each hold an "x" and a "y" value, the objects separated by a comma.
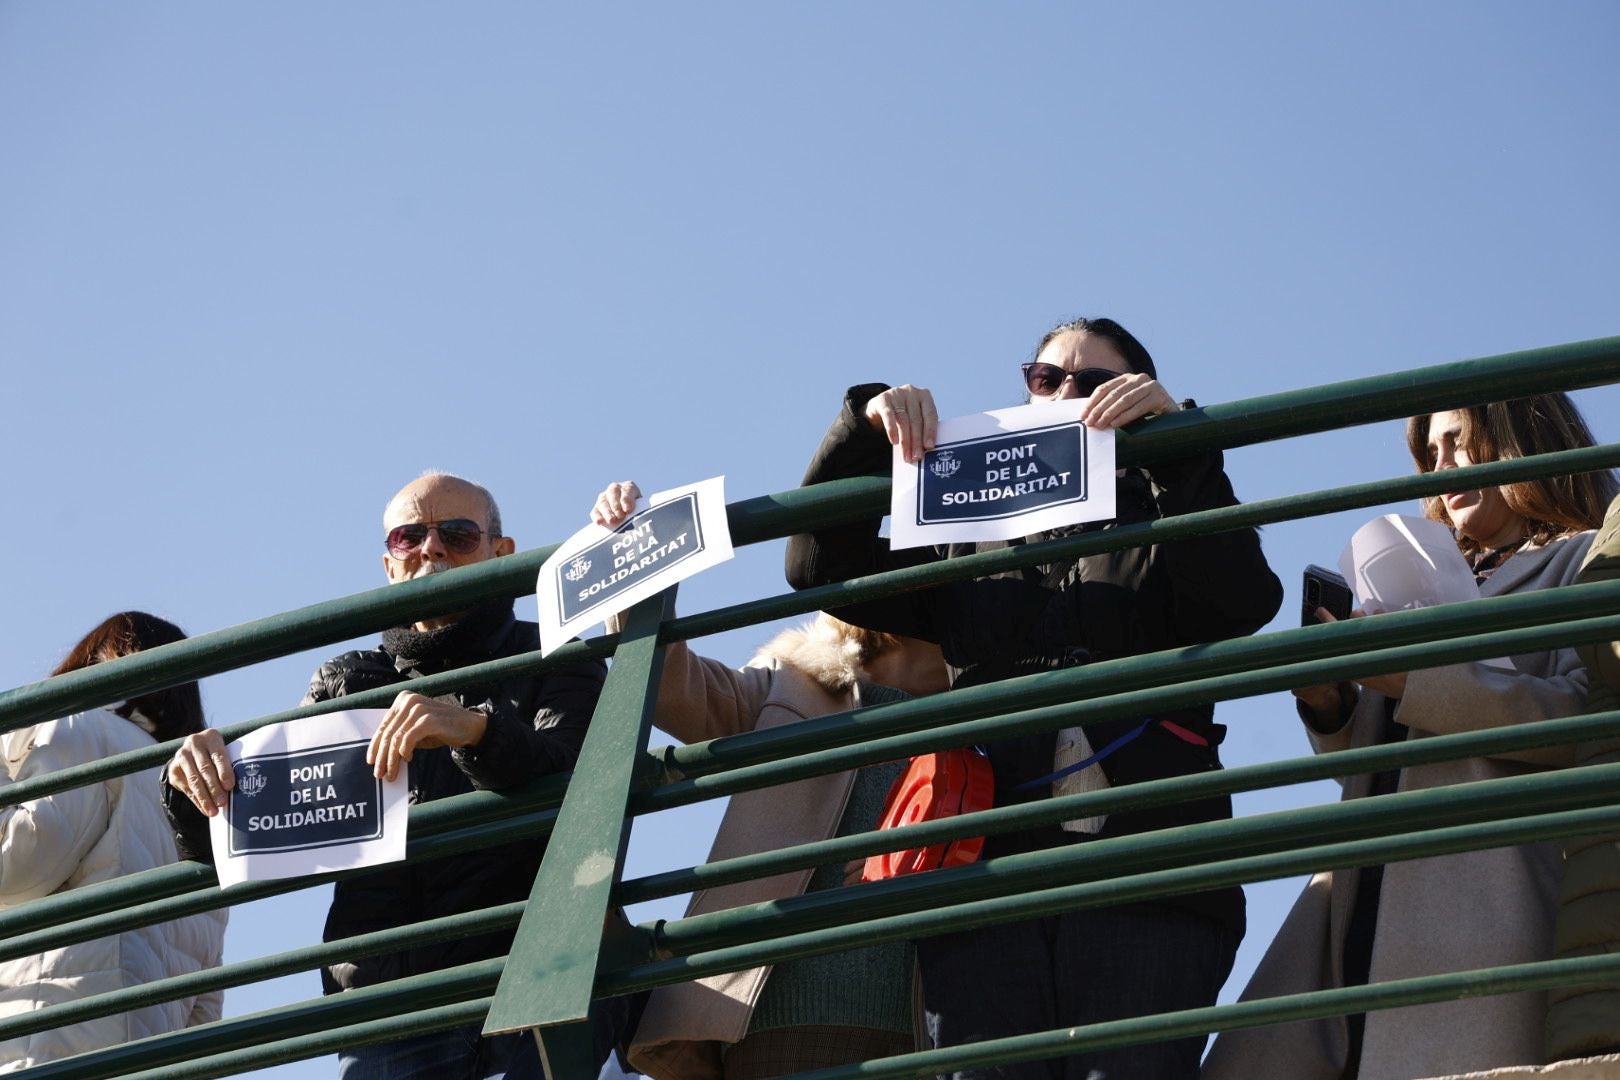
[{"x": 489, "y": 737}]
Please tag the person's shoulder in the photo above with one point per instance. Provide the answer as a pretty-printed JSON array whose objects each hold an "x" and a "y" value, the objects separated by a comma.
[
  {"x": 356, "y": 660},
  {"x": 1562, "y": 556},
  {"x": 339, "y": 675},
  {"x": 94, "y": 732}
]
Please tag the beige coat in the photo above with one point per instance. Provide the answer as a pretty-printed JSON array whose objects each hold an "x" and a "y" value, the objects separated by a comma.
[
  {"x": 796, "y": 677},
  {"x": 1450, "y": 913},
  {"x": 84, "y": 836}
]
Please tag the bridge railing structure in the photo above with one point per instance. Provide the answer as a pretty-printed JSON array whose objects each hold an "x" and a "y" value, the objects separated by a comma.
[{"x": 561, "y": 961}]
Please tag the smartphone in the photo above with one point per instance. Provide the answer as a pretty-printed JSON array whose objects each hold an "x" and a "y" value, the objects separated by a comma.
[{"x": 1324, "y": 589}]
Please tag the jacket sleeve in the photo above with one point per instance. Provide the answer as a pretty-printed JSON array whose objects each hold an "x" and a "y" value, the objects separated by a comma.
[
  {"x": 1475, "y": 697},
  {"x": 700, "y": 698},
  {"x": 1221, "y": 585},
  {"x": 42, "y": 841},
  {"x": 840, "y": 552},
  {"x": 518, "y": 749}
]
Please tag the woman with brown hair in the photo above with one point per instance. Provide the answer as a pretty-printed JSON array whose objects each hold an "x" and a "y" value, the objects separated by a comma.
[
  {"x": 95, "y": 833},
  {"x": 1475, "y": 909}
]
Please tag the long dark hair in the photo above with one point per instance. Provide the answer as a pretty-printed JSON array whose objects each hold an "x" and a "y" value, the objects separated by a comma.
[
  {"x": 1552, "y": 506},
  {"x": 175, "y": 712},
  {"x": 1133, "y": 351}
]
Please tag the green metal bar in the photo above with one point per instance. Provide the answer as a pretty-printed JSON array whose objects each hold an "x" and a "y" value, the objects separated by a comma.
[
  {"x": 1124, "y": 799},
  {"x": 419, "y": 849},
  {"x": 1141, "y": 686},
  {"x": 936, "y": 920},
  {"x": 555, "y": 956},
  {"x": 1092, "y": 705},
  {"x": 352, "y": 1006},
  {"x": 1483, "y": 982},
  {"x": 1141, "y": 534},
  {"x": 1393, "y": 396},
  {"x": 427, "y": 820},
  {"x": 302, "y": 1047},
  {"x": 242, "y": 972},
  {"x": 1460, "y": 804},
  {"x": 380, "y": 698},
  {"x": 1578, "y": 364},
  {"x": 1164, "y": 531}
]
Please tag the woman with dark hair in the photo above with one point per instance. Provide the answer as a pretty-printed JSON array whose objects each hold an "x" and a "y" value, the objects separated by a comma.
[
  {"x": 95, "y": 833},
  {"x": 1456, "y": 912},
  {"x": 1093, "y": 965}
]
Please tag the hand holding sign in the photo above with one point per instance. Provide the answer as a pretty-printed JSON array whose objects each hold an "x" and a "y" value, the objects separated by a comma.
[
  {"x": 201, "y": 771},
  {"x": 414, "y": 723},
  {"x": 906, "y": 414},
  {"x": 605, "y": 569},
  {"x": 1126, "y": 399}
]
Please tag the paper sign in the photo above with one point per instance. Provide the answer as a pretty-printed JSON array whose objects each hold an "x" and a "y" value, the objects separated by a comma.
[
  {"x": 1003, "y": 474},
  {"x": 599, "y": 572},
  {"x": 1397, "y": 562},
  {"x": 306, "y": 802}
]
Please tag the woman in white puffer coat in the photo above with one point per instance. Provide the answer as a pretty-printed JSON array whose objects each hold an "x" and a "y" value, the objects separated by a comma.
[{"x": 95, "y": 833}]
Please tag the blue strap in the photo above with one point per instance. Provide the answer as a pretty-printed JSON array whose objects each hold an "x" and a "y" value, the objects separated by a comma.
[{"x": 1030, "y": 785}]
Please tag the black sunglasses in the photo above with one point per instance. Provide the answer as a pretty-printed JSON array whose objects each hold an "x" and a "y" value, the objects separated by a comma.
[
  {"x": 1044, "y": 380},
  {"x": 459, "y": 535}
]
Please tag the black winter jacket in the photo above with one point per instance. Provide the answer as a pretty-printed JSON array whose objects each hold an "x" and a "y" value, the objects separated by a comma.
[
  {"x": 1101, "y": 607},
  {"x": 537, "y": 725}
]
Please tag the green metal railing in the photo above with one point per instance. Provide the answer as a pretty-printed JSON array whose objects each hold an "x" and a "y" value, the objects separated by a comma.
[{"x": 560, "y": 961}]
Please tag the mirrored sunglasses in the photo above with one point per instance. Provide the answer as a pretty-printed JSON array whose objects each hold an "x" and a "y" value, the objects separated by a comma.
[{"x": 459, "y": 535}]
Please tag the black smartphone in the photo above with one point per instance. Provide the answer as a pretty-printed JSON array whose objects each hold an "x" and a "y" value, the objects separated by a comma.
[{"x": 1324, "y": 589}]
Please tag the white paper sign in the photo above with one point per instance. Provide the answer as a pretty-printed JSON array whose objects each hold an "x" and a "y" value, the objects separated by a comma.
[
  {"x": 306, "y": 802},
  {"x": 600, "y": 572},
  {"x": 1002, "y": 474},
  {"x": 1398, "y": 562}
]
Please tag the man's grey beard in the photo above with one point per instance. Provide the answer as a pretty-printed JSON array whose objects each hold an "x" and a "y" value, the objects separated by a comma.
[{"x": 438, "y": 566}]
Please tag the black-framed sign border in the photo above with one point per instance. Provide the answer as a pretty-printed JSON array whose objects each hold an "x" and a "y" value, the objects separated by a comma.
[
  {"x": 701, "y": 545},
  {"x": 1084, "y": 471},
  {"x": 231, "y": 827}
]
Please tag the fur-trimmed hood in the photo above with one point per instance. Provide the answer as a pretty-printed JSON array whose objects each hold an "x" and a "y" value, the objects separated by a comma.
[{"x": 818, "y": 651}]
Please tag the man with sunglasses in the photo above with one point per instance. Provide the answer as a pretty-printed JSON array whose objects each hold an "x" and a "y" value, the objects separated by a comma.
[{"x": 494, "y": 736}]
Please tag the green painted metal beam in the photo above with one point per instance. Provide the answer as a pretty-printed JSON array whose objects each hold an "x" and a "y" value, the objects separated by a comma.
[
  {"x": 426, "y": 820},
  {"x": 280, "y": 1051},
  {"x": 1130, "y": 797},
  {"x": 242, "y": 972},
  {"x": 1161, "y": 531},
  {"x": 419, "y": 849},
  {"x": 951, "y": 918},
  {"x": 366, "y": 1003},
  {"x": 558, "y": 948},
  {"x": 1059, "y": 1042},
  {"x": 1460, "y": 804},
  {"x": 1578, "y": 364},
  {"x": 1141, "y": 686},
  {"x": 1075, "y": 685}
]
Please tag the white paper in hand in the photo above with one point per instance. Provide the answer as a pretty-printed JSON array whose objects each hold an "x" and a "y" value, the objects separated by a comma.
[
  {"x": 306, "y": 802},
  {"x": 600, "y": 572},
  {"x": 1003, "y": 474}
]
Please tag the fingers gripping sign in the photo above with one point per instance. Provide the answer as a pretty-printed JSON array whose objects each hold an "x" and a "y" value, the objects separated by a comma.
[
  {"x": 906, "y": 414},
  {"x": 414, "y": 722},
  {"x": 1126, "y": 399},
  {"x": 201, "y": 770},
  {"x": 617, "y": 502}
]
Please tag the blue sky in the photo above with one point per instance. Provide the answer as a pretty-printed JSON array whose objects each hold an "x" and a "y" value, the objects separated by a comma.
[{"x": 262, "y": 264}]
